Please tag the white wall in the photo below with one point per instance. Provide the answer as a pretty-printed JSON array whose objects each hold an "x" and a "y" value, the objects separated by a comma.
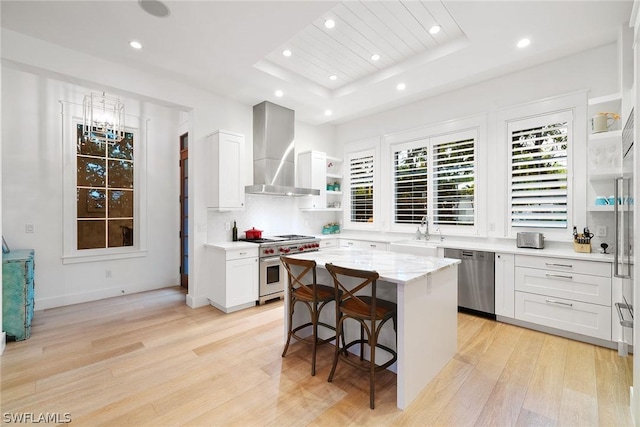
[
  {"x": 595, "y": 70},
  {"x": 32, "y": 151},
  {"x": 205, "y": 113},
  {"x": 199, "y": 113}
]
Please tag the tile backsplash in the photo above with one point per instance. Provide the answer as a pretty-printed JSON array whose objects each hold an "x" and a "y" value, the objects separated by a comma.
[{"x": 272, "y": 214}]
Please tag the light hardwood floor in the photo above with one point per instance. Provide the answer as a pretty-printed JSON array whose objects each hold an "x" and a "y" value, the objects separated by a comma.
[{"x": 148, "y": 359}]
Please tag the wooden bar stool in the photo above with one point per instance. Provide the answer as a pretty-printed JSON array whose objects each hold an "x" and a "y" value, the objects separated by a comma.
[
  {"x": 371, "y": 312},
  {"x": 304, "y": 289}
]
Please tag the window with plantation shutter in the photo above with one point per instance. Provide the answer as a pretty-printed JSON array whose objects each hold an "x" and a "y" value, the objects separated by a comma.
[
  {"x": 539, "y": 171},
  {"x": 361, "y": 169},
  {"x": 410, "y": 180},
  {"x": 435, "y": 177},
  {"x": 454, "y": 179}
]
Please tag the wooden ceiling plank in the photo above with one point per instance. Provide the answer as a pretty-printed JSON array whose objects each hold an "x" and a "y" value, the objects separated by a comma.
[
  {"x": 330, "y": 63},
  {"x": 338, "y": 53},
  {"x": 367, "y": 24},
  {"x": 423, "y": 18},
  {"x": 393, "y": 28},
  {"x": 449, "y": 27},
  {"x": 405, "y": 25}
]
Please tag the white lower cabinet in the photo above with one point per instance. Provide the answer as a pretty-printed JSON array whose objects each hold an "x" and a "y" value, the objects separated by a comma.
[
  {"x": 328, "y": 243},
  {"x": 364, "y": 244},
  {"x": 233, "y": 276},
  {"x": 569, "y": 315},
  {"x": 504, "y": 282},
  {"x": 566, "y": 294}
]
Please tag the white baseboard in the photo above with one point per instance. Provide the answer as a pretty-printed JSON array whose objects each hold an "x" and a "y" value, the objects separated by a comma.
[
  {"x": 77, "y": 298},
  {"x": 195, "y": 302},
  {"x": 3, "y": 342}
]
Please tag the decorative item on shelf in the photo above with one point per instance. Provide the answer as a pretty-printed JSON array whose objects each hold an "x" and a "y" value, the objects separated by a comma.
[
  {"x": 102, "y": 119},
  {"x": 601, "y": 122},
  {"x": 331, "y": 228},
  {"x": 329, "y": 187},
  {"x": 336, "y": 186},
  {"x": 601, "y": 201}
]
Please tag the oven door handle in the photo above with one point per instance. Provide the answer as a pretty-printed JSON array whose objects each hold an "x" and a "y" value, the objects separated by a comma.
[{"x": 271, "y": 259}]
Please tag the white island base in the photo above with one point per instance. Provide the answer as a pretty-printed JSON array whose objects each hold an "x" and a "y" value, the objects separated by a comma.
[{"x": 426, "y": 291}]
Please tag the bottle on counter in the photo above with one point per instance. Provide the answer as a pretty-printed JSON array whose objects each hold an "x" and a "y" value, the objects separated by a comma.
[{"x": 234, "y": 232}]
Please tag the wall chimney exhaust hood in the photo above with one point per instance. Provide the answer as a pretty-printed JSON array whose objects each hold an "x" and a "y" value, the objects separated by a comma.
[{"x": 273, "y": 143}]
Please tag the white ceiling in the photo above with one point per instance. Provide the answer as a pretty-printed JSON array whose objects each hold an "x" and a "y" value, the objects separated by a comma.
[{"x": 234, "y": 47}]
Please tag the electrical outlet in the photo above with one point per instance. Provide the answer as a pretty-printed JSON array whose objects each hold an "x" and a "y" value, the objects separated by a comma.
[
  {"x": 601, "y": 231},
  {"x": 492, "y": 226},
  {"x": 107, "y": 273},
  {"x": 227, "y": 226},
  {"x": 29, "y": 228}
]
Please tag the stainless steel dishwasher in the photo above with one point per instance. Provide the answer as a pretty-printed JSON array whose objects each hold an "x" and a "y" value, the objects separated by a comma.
[{"x": 476, "y": 280}]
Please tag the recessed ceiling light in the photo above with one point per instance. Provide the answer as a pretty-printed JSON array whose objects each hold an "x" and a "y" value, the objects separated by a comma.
[
  {"x": 279, "y": 93},
  {"x": 375, "y": 57},
  {"x": 154, "y": 7},
  {"x": 329, "y": 23},
  {"x": 328, "y": 112},
  {"x": 523, "y": 43},
  {"x": 401, "y": 86},
  {"x": 435, "y": 29},
  {"x": 134, "y": 44},
  {"x": 286, "y": 53},
  {"x": 333, "y": 77}
]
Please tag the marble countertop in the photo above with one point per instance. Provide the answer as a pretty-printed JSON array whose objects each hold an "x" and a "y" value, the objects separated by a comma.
[
  {"x": 393, "y": 267},
  {"x": 552, "y": 249},
  {"x": 232, "y": 245}
]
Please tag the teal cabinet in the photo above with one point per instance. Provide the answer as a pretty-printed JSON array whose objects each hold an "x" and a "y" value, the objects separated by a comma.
[{"x": 17, "y": 293}]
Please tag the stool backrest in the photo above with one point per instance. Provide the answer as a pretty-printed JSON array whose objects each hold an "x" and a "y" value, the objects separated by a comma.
[
  {"x": 296, "y": 278},
  {"x": 366, "y": 278}
]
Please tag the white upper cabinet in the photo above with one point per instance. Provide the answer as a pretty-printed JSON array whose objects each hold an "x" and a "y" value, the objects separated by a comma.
[
  {"x": 225, "y": 182},
  {"x": 319, "y": 171}
]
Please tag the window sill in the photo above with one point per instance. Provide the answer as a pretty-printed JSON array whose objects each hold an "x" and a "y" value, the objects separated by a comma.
[{"x": 76, "y": 259}]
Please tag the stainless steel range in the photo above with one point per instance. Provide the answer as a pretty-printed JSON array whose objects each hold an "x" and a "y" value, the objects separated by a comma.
[{"x": 272, "y": 277}]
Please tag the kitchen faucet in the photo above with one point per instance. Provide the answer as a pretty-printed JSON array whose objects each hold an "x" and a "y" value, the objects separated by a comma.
[{"x": 425, "y": 221}]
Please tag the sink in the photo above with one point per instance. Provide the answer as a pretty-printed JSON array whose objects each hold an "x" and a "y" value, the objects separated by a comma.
[{"x": 416, "y": 247}]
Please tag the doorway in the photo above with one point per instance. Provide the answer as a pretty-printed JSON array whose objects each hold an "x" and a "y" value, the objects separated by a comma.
[{"x": 184, "y": 210}]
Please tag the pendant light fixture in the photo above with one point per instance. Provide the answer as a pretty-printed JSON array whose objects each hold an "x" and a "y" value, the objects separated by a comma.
[{"x": 102, "y": 118}]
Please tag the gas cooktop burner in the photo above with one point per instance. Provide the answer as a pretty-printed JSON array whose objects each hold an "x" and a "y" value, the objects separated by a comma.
[
  {"x": 259, "y": 240},
  {"x": 295, "y": 237}
]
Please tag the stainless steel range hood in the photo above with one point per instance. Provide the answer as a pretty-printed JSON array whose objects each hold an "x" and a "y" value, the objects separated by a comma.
[{"x": 273, "y": 153}]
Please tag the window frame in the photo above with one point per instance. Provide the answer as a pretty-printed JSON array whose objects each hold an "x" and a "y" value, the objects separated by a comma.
[
  {"x": 450, "y": 130},
  {"x": 72, "y": 116},
  {"x": 361, "y": 148},
  {"x": 575, "y": 102},
  {"x": 536, "y": 122}
]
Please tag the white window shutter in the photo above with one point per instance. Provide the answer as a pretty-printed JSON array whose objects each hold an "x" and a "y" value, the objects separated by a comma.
[{"x": 539, "y": 171}]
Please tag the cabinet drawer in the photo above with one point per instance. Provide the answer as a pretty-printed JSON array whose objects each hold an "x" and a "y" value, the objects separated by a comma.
[
  {"x": 379, "y": 246},
  {"x": 349, "y": 243},
  {"x": 565, "y": 264},
  {"x": 241, "y": 253},
  {"x": 587, "y": 319},
  {"x": 328, "y": 243},
  {"x": 569, "y": 285}
]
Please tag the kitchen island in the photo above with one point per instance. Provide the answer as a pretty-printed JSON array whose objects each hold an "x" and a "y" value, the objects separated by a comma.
[{"x": 426, "y": 291}]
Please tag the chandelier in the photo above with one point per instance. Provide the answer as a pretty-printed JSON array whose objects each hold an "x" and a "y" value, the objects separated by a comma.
[{"x": 102, "y": 119}]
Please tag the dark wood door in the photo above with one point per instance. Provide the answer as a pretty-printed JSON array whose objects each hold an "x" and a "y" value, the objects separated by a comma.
[{"x": 184, "y": 210}]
